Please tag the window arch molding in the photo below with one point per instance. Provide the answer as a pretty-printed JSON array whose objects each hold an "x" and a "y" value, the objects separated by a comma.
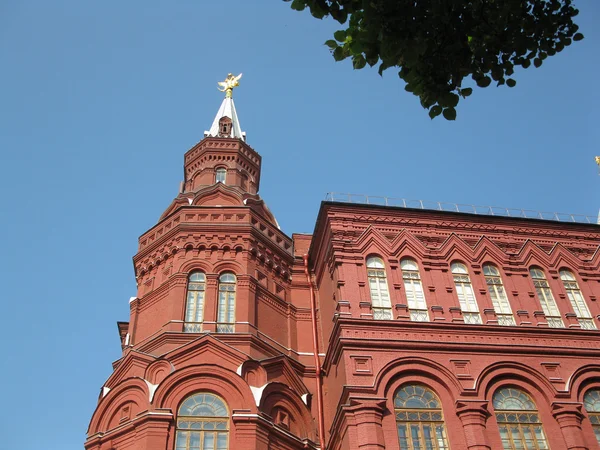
[
  {"x": 422, "y": 370},
  {"x": 209, "y": 378},
  {"x": 583, "y": 379},
  {"x": 278, "y": 395},
  {"x": 132, "y": 390},
  {"x": 227, "y": 266},
  {"x": 194, "y": 266},
  {"x": 518, "y": 375}
]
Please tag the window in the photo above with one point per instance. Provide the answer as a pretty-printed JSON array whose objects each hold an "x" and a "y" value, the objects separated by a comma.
[
  {"x": 419, "y": 419},
  {"x": 194, "y": 308},
  {"x": 591, "y": 402},
  {"x": 380, "y": 295},
  {"x": 542, "y": 288},
  {"x": 226, "y": 306},
  {"x": 221, "y": 175},
  {"x": 498, "y": 295},
  {"x": 202, "y": 423},
  {"x": 464, "y": 290},
  {"x": 518, "y": 420},
  {"x": 577, "y": 300},
  {"x": 414, "y": 290}
]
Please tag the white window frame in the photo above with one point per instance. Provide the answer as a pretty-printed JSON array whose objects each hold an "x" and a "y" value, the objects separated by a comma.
[
  {"x": 413, "y": 288},
  {"x": 378, "y": 288},
  {"x": 465, "y": 293}
]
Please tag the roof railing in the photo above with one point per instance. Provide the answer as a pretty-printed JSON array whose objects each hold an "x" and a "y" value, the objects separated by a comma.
[{"x": 461, "y": 208}]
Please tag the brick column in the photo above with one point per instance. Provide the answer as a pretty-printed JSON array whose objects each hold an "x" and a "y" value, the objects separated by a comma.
[
  {"x": 211, "y": 297},
  {"x": 474, "y": 414},
  {"x": 178, "y": 300},
  {"x": 152, "y": 430},
  {"x": 569, "y": 417},
  {"x": 250, "y": 432},
  {"x": 366, "y": 415}
]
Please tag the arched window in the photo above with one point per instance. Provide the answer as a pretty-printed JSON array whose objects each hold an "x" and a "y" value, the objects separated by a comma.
[
  {"x": 542, "y": 288},
  {"x": 194, "y": 307},
  {"x": 419, "y": 419},
  {"x": 577, "y": 300},
  {"x": 220, "y": 175},
  {"x": 414, "y": 290},
  {"x": 226, "y": 306},
  {"x": 202, "y": 423},
  {"x": 498, "y": 295},
  {"x": 591, "y": 402},
  {"x": 464, "y": 291},
  {"x": 380, "y": 295},
  {"x": 518, "y": 420}
]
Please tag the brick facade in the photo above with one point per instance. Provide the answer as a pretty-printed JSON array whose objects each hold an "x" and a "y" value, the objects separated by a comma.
[{"x": 262, "y": 363}]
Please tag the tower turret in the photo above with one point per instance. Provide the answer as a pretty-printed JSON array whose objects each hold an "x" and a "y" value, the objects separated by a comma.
[{"x": 212, "y": 351}]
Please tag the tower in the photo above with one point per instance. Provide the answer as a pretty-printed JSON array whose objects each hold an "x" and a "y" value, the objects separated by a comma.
[{"x": 212, "y": 355}]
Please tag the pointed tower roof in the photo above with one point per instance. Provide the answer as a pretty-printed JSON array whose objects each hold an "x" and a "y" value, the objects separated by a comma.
[{"x": 227, "y": 109}]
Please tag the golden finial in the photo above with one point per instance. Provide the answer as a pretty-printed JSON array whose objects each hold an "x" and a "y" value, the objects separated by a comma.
[
  {"x": 598, "y": 160},
  {"x": 229, "y": 83}
]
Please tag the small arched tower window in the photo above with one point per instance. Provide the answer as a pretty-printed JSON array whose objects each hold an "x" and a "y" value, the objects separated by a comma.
[
  {"x": 202, "y": 423},
  {"x": 464, "y": 291},
  {"x": 498, "y": 295},
  {"x": 225, "y": 127},
  {"x": 413, "y": 289},
  {"x": 226, "y": 305},
  {"x": 542, "y": 289},
  {"x": 419, "y": 419},
  {"x": 380, "y": 295},
  {"x": 591, "y": 402},
  {"x": 194, "y": 307},
  {"x": 518, "y": 420},
  {"x": 577, "y": 301},
  {"x": 221, "y": 175}
]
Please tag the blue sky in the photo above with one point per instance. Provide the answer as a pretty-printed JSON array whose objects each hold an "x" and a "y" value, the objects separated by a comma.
[{"x": 100, "y": 100}]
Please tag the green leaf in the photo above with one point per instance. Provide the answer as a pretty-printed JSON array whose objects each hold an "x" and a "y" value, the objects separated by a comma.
[
  {"x": 358, "y": 62},
  {"x": 435, "y": 111},
  {"x": 484, "y": 82},
  {"x": 449, "y": 114},
  {"x": 449, "y": 99},
  {"x": 298, "y": 5},
  {"x": 440, "y": 47},
  {"x": 340, "y": 35},
  {"x": 511, "y": 83},
  {"x": 338, "y": 54}
]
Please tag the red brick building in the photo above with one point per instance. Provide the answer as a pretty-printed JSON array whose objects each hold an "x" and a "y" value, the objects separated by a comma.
[{"x": 388, "y": 327}]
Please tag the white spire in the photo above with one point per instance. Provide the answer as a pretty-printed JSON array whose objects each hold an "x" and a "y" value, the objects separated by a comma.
[{"x": 227, "y": 109}]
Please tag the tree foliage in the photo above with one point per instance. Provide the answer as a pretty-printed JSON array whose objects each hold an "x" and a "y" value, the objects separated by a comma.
[{"x": 437, "y": 44}]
